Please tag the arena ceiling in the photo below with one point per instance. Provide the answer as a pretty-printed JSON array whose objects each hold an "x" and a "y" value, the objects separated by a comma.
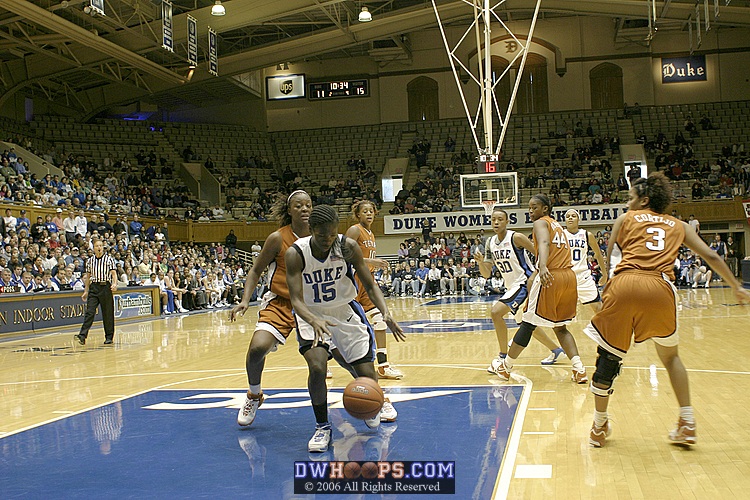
[{"x": 55, "y": 50}]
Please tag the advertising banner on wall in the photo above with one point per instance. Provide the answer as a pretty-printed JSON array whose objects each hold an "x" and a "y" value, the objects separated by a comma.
[
  {"x": 32, "y": 312},
  {"x": 518, "y": 218},
  {"x": 683, "y": 69},
  {"x": 285, "y": 87}
]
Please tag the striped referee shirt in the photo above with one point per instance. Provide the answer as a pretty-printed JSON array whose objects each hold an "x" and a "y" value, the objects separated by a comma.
[{"x": 100, "y": 270}]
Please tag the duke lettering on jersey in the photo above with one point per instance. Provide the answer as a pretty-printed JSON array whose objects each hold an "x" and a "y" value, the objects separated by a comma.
[
  {"x": 509, "y": 259},
  {"x": 327, "y": 283},
  {"x": 322, "y": 275}
]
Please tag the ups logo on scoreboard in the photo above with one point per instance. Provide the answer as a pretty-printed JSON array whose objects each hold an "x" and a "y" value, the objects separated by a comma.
[{"x": 286, "y": 87}]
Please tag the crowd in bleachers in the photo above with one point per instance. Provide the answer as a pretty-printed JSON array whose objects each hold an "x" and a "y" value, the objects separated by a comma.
[{"x": 50, "y": 254}]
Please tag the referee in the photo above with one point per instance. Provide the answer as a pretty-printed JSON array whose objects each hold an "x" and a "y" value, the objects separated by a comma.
[{"x": 100, "y": 281}]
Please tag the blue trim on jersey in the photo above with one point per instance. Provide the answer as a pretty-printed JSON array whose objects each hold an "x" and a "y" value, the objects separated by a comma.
[
  {"x": 350, "y": 275},
  {"x": 360, "y": 312},
  {"x": 301, "y": 254},
  {"x": 517, "y": 300},
  {"x": 521, "y": 256}
]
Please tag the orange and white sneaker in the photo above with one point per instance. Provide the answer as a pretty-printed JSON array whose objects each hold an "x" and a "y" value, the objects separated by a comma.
[
  {"x": 684, "y": 433},
  {"x": 329, "y": 373},
  {"x": 386, "y": 371},
  {"x": 247, "y": 413},
  {"x": 598, "y": 435},
  {"x": 502, "y": 371},
  {"x": 580, "y": 377}
]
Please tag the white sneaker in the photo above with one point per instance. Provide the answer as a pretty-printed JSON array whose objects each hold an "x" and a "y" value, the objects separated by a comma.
[
  {"x": 374, "y": 422},
  {"x": 329, "y": 373},
  {"x": 386, "y": 371},
  {"x": 388, "y": 413},
  {"x": 494, "y": 364},
  {"x": 247, "y": 413},
  {"x": 320, "y": 440}
]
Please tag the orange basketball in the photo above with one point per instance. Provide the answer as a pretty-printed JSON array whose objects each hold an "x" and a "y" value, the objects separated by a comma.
[
  {"x": 363, "y": 398},
  {"x": 369, "y": 470}
]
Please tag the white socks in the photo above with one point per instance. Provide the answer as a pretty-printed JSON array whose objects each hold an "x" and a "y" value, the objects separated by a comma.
[
  {"x": 600, "y": 418},
  {"x": 255, "y": 389},
  {"x": 686, "y": 414},
  {"x": 577, "y": 364}
]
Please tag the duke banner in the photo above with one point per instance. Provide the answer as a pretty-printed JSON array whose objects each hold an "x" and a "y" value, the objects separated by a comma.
[
  {"x": 746, "y": 206},
  {"x": 166, "y": 26},
  {"x": 213, "y": 55},
  {"x": 518, "y": 218},
  {"x": 192, "y": 41},
  {"x": 683, "y": 69}
]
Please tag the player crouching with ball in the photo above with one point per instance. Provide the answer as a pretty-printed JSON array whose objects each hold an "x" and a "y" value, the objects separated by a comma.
[{"x": 330, "y": 322}]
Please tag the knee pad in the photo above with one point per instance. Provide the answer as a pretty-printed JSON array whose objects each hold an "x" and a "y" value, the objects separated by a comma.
[
  {"x": 523, "y": 335},
  {"x": 607, "y": 369}
]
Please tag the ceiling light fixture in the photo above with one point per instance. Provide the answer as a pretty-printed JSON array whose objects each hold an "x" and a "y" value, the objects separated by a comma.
[
  {"x": 190, "y": 73},
  {"x": 365, "y": 16},
  {"x": 218, "y": 9}
]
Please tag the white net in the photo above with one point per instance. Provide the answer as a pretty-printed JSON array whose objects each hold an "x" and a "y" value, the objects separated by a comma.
[{"x": 488, "y": 205}]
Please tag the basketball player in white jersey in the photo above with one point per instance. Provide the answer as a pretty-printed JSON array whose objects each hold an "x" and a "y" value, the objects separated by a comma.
[
  {"x": 330, "y": 322},
  {"x": 580, "y": 241},
  {"x": 507, "y": 251}
]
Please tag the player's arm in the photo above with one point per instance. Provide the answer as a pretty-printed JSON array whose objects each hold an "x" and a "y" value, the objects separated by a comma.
[
  {"x": 541, "y": 235},
  {"x": 715, "y": 262},
  {"x": 523, "y": 241},
  {"x": 606, "y": 271},
  {"x": 294, "y": 265},
  {"x": 114, "y": 279},
  {"x": 484, "y": 261},
  {"x": 373, "y": 291},
  {"x": 86, "y": 282},
  {"x": 598, "y": 256},
  {"x": 268, "y": 253}
]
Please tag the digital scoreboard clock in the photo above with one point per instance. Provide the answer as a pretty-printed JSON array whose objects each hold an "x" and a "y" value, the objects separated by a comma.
[
  {"x": 338, "y": 89},
  {"x": 487, "y": 164}
]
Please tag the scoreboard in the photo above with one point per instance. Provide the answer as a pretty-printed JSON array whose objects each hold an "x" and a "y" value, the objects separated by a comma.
[
  {"x": 488, "y": 164},
  {"x": 338, "y": 89}
]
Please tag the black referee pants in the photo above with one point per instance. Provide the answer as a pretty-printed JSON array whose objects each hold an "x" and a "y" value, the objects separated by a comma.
[{"x": 100, "y": 295}]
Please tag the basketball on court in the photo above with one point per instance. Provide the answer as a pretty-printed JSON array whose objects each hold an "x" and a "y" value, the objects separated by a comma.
[{"x": 363, "y": 398}]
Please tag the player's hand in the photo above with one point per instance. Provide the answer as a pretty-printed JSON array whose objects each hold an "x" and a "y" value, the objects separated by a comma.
[
  {"x": 398, "y": 332},
  {"x": 381, "y": 264},
  {"x": 84, "y": 296},
  {"x": 320, "y": 327},
  {"x": 113, "y": 287},
  {"x": 479, "y": 257},
  {"x": 545, "y": 277},
  {"x": 603, "y": 280},
  {"x": 743, "y": 296},
  {"x": 238, "y": 310}
]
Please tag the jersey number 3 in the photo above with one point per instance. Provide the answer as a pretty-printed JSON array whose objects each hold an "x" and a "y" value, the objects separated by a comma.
[{"x": 657, "y": 235}]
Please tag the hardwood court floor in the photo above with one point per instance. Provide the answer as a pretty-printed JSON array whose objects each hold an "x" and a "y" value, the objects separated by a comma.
[{"x": 47, "y": 378}]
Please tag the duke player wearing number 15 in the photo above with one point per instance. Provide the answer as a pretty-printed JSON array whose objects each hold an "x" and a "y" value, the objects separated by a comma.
[{"x": 330, "y": 322}]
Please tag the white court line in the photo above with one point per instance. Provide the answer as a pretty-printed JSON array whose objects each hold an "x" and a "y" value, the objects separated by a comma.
[
  {"x": 533, "y": 471},
  {"x": 539, "y": 433},
  {"x": 509, "y": 459}
]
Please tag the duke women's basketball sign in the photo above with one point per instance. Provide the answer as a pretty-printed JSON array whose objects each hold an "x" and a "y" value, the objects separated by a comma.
[{"x": 591, "y": 215}]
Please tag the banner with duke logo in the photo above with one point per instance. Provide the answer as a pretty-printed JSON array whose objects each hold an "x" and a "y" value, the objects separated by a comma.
[{"x": 683, "y": 69}]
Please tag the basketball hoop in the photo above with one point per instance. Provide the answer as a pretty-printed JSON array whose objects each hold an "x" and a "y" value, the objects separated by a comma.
[{"x": 489, "y": 206}]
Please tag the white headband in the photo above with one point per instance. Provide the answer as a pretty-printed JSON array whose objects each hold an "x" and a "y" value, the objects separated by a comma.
[
  {"x": 295, "y": 192},
  {"x": 574, "y": 211}
]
